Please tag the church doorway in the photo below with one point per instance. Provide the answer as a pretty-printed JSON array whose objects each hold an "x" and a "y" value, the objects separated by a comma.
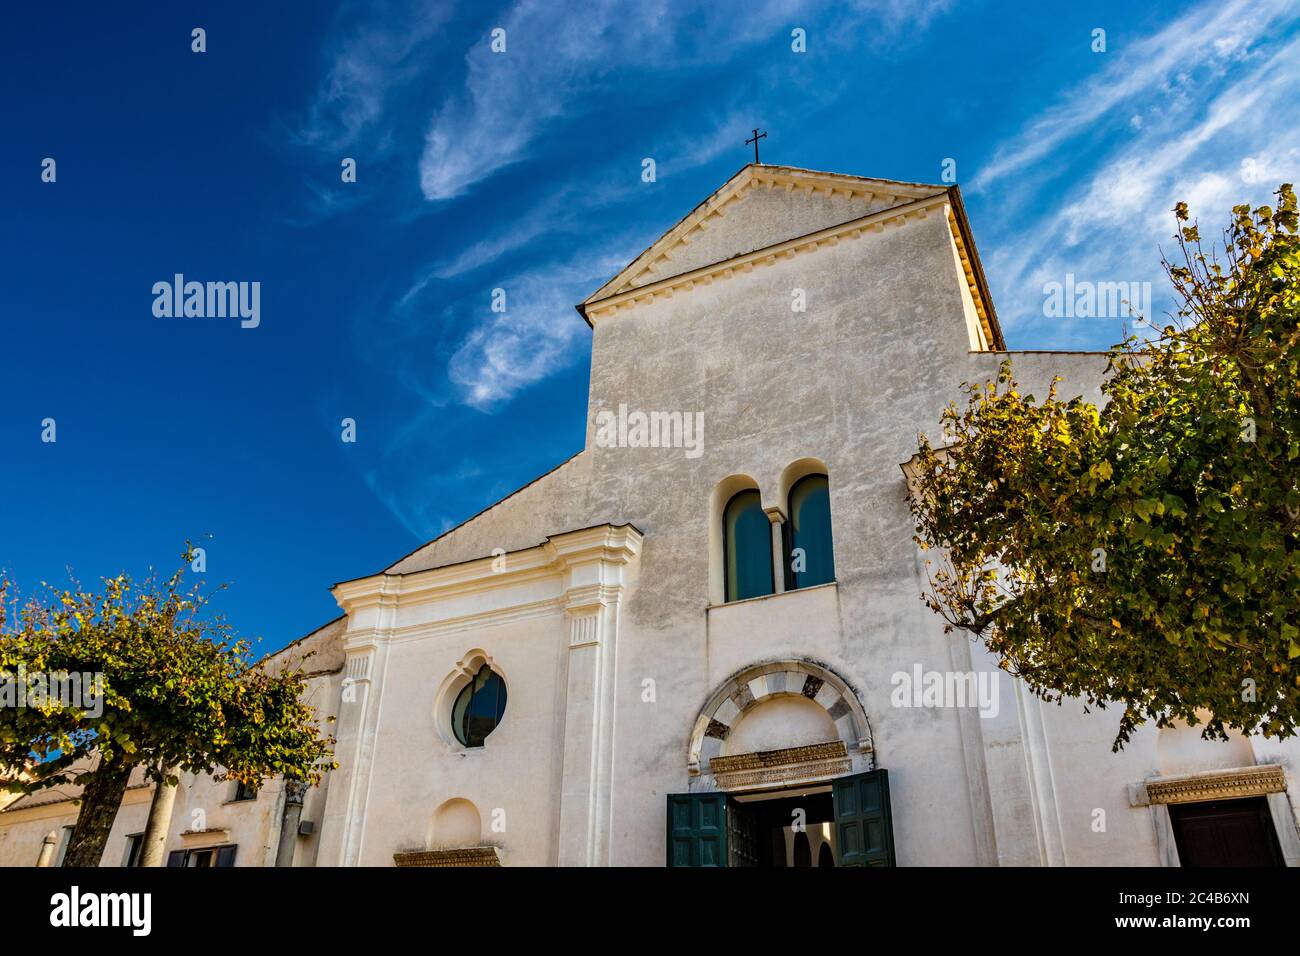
[
  {"x": 1225, "y": 833},
  {"x": 841, "y": 822},
  {"x": 783, "y": 829}
]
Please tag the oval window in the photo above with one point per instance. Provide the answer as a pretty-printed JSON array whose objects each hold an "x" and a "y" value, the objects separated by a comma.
[{"x": 478, "y": 707}]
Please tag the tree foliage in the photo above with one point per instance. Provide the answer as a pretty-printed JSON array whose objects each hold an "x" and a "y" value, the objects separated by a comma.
[
  {"x": 1144, "y": 553},
  {"x": 178, "y": 691}
]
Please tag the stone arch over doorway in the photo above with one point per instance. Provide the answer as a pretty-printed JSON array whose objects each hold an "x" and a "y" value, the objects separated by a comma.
[{"x": 826, "y": 708}]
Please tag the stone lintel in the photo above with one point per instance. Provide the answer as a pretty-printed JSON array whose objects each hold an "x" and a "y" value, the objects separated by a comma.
[
  {"x": 459, "y": 857},
  {"x": 1217, "y": 785}
]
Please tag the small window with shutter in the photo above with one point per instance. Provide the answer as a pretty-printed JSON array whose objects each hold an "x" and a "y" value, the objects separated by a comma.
[
  {"x": 206, "y": 856},
  {"x": 134, "y": 841},
  {"x": 244, "y": 791}
]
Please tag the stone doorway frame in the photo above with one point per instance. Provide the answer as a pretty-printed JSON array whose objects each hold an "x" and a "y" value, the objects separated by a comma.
[{"x": 1263, "y": 780}]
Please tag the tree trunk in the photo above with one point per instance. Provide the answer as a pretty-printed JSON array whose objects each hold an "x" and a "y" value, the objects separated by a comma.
[
  {"x": 293, "y": 795},
  {"x": 99, "y": 804},
  {"x": 153, "y": 845}
]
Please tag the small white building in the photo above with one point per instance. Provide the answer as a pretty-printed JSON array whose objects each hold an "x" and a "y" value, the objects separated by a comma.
[
  {"x": 700, "y": 640},
  {"x": 213, "y": 823}
]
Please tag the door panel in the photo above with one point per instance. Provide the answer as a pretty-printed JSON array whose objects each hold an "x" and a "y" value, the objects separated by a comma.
[
  {"x": 864, "y": 826},
  {"x": 697, "y": 829},
  {"x": 1225, "y": 833},
  {"x": 742, "y": 834}
]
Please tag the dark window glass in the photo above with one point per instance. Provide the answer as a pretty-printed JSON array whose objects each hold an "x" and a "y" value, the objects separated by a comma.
[
  {"x": 245, "y": 791},
  {"x": 133, "y": 844},
  {"x": 479, "y": 707},
  {"x": 802, "y": 849},
  {"x": 747, "y": 544},
  {"x": 203, "y": 857},
  {"x": 812, "y": 557},
  {"x": 64, "y": 839}
]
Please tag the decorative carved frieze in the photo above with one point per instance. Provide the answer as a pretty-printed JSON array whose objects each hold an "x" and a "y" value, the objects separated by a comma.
[
  {"x": 1222, "y": 785},
  {"x": 791, "y": 764},
  {"x": 465, "y": 856},
  {"x": 778, "y": 758}
]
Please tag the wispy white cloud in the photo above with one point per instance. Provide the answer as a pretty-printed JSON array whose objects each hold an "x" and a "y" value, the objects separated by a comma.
[
  {"x": 538, "y": 333},
  {"x": 375, "y": 50},
  {"x": 1212, "y": 33},
  {"x": 558, "y": 54},
  {"x": 568, "y": 206},
  {"x": 1207, "y": 132}
]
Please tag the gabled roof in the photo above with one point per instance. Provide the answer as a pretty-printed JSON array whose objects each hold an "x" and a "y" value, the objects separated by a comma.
[
  {"x": 705, "y": 242},
  {"x": 876, "y": 193}
]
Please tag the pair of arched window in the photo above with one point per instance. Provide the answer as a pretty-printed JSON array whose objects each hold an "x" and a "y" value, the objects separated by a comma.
[{"x": 809, "y": 557}]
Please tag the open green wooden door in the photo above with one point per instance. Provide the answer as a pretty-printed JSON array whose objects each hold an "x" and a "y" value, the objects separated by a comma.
[
  {"x": 697, "y": 829},
  {"x": 864, "y": 828}
]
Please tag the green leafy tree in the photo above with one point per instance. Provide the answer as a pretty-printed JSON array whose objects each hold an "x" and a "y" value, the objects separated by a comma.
[
  {"x": 178, "y": 692},
  {"x": 1144, "y": 553}
]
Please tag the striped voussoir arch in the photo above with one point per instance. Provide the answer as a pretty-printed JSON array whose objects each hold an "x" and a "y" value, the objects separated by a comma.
[{"x": 762, "y": 682}]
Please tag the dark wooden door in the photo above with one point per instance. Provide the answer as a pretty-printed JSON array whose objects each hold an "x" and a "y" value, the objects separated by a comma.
[
  {"x": 697, "y": 829},
  {"x": 742, "y": 834},
  {"x": 1225, "y": 833},
  {"x": 864, "y": 826}
]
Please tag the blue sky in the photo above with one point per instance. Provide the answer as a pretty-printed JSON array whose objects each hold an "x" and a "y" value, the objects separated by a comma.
[{"x": 518, "y": 170}]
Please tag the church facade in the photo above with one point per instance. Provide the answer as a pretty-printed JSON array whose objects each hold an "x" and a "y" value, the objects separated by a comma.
[{"x": 701, "y": 640}]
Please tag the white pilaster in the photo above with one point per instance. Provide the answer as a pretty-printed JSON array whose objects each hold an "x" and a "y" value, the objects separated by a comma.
[
  {"x": 1047, "y": 816},
  {"x": 594, "y": 564},
  {"x": 357, "y": 727}
]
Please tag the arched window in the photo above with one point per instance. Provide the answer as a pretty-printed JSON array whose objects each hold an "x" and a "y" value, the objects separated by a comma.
[
  {"x": 802, "y": 849},
  {"x": 747, "y": 543},
  {"x": 479, "y": 707},
  {"x": 811, "y": 559}
]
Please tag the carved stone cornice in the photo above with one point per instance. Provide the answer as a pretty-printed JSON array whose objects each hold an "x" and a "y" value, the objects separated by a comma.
[
  {"x": 586, "y": 598},
  {"x": 1216, "y": 785},
  {"x": 589, "y": 558}
]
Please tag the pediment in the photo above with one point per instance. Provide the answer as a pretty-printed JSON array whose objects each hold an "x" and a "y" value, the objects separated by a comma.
[{"x": 759, "y": 207}]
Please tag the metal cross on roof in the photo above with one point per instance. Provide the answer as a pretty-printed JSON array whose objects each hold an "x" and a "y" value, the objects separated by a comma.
[{"x": 754, "y": 139}]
